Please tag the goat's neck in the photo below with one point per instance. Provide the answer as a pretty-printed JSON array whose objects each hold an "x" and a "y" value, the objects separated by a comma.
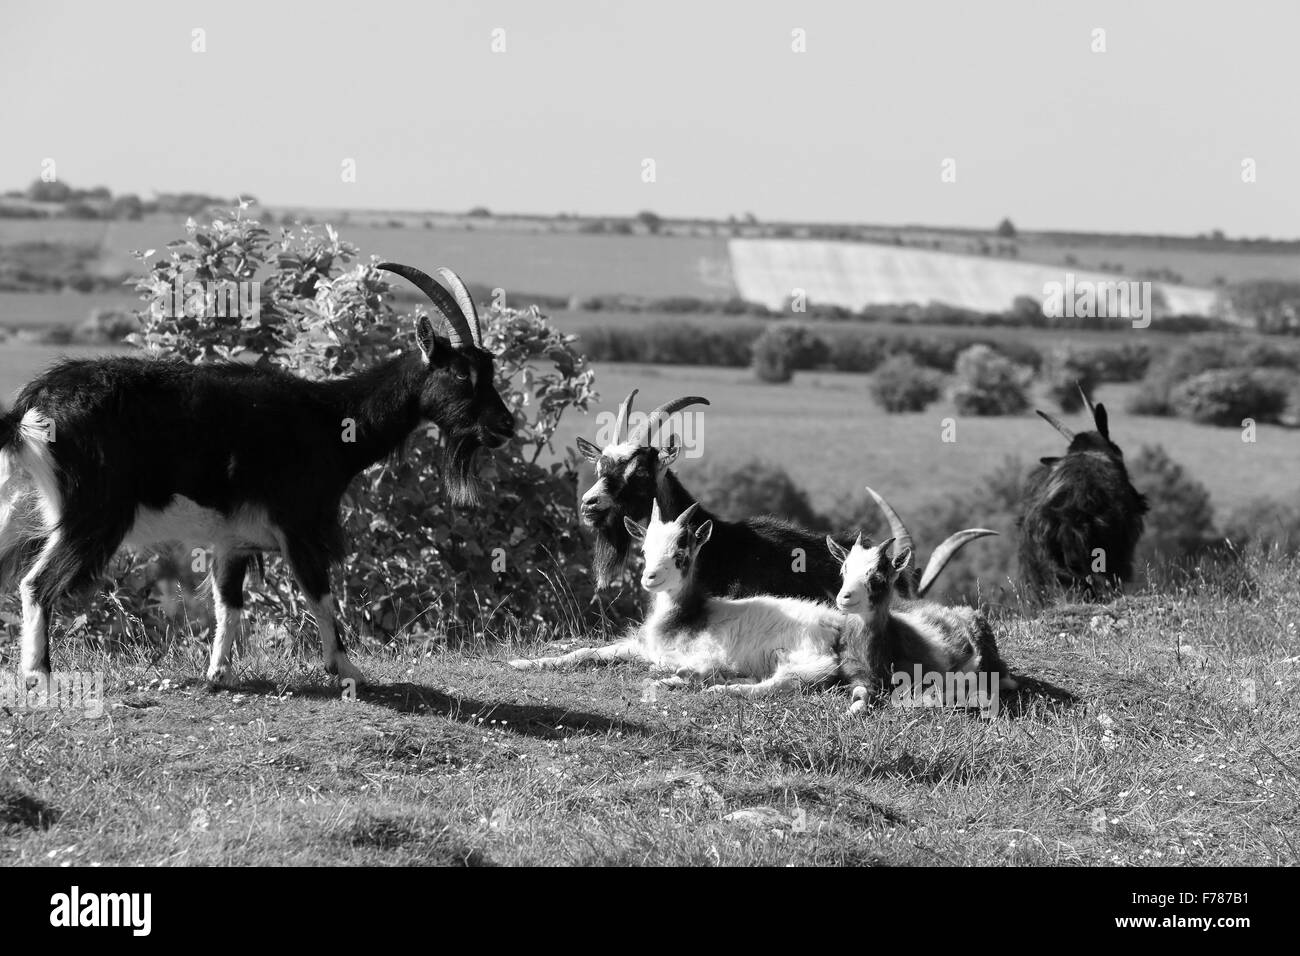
[
  {"x": 673, "y": 497},
  {"x": 384, "y": 404},
  {"x": 683, "y": 610}
]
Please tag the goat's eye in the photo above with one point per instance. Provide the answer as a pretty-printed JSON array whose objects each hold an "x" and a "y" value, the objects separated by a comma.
[{"x": 876, "y": 581}]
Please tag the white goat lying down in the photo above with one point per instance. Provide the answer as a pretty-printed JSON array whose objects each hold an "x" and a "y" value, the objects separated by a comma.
[
  {"x": 762, "y": 645},
  {"x": 744, "y": 646},
  {"x": 900, "y": 636}
]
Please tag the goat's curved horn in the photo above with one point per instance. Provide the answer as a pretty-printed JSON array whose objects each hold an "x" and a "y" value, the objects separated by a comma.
[
  {"x": 620, "y": 424},
  {"x": 464, "y": 300},
  {"x": 945, "y": 552},
  {"x": 660, "y": 415},
  {"x": 1092, "y": 409},
  {"x": 1055, "y": 423},
  {"x": 901, "y": 537},
  {"x": 458, "y": 330}
]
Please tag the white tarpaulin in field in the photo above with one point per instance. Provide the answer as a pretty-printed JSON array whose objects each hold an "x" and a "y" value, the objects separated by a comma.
[{"x": 854, "y": 274}]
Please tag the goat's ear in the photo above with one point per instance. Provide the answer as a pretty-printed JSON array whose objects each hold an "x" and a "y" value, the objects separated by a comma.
[
  {"x": 424, "y": 338},
  {"x": 1049, "y": 462},
  {"x": 703, "y": 533},
  {"x": 837, "y": 550},
  {"x": 637, "y": 531},
  {"x": 1103, "y": 421},
  {"x": 588, "y": 451},
  {"x": 669, "y": 454},
  {"x": 902, "y": 559}
]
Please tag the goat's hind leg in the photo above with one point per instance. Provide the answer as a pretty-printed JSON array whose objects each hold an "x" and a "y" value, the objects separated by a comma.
[
  {"x": 73, "y": 558},
  {"x": 228, "y": 570}
]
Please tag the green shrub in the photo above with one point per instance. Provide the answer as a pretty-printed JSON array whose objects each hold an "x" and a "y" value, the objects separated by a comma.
[
  {"x": 1066, "y": 372},
  {"x": 736, "y": 492},
  {"x": 1180, "y": 524},
  {"x": 1227, "y": 396},
  {"x": 989, "y": 383},
  {"x": 1266, "y": 524},
  {"x": 783, "y": 348},
  {"x": 900, "y": 385},
  {"x": 413, "y": 558}
]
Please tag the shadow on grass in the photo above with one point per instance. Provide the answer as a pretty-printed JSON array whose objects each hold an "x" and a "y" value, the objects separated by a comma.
[
  {"x": 543, "y": 721},
  {"x": 1034, "y": 694},
  {"x": 20, "y": 810}
]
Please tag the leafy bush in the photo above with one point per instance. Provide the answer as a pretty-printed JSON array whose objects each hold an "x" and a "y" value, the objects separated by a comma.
[
  {"x": 900, "y": 385},
  {"x": 1066, "y": 372},
  {"x": 753, "y": 488},
  {"x": 1124, "y": 363},
  {"x": 1204, "y": 354},
  {"x": 989, "y": 383},
  {"x": 783, "y": 348},
  {"x": 1267, "y": 524},
  {"x": 1227, "y": 396},
  {"x": 412, "y": 557},
  {"x": 1180, "y": 524}
]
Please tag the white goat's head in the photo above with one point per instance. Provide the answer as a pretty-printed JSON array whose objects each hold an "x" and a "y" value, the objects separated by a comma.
[
  {"x": 868, "y": 573},
  {"x": 669, "y": 547}
]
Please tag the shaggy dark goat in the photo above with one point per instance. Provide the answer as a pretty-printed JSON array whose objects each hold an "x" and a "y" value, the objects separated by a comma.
[
  {"x": 761, "y": 555},
  {"x": 97, "y": 453},
  {"x": 1082, "y": 517}
]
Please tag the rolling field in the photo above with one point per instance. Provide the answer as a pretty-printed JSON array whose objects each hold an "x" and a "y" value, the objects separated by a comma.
[
  {"x": 825, "y": 430},
  {"x": 830, "y": 435}
]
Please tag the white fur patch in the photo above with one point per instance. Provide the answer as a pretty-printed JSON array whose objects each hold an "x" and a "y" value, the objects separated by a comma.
[{"x": 188, "y": 523}]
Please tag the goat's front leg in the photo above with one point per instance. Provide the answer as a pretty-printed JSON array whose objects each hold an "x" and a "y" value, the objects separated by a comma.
[
  {"x": 625, "y": 650},
  {"x": 312, "y": 572},
  {"x": 864, "y": 684}
]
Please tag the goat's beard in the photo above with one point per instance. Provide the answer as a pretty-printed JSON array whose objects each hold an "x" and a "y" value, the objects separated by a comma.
[
  {"x": 609, "y": 548},
  {"x": 459, "y": 470}
]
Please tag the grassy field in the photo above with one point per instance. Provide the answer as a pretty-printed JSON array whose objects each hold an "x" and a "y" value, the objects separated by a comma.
[
  {"x": 1161, "y": 730},
  {"x": 829, "y": 434}
]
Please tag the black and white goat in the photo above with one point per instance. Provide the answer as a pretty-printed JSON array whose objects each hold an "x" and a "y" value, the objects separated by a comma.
[
  {"x": 101, "y": 452},
  {"x": 903, "y": 636},
  {"x": 760, "y": 555},
  {"x": 1081, "y": 517},
  {"x": 745, "y": 646}
]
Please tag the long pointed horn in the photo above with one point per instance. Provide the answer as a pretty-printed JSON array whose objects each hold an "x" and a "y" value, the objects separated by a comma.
[
  {"x": 1092, "y": 409},
  {"x": 945, "y": 553},
  {"x": 902, "y": 537},
  {"x": 464, "y": 300},
  {"x": 458, "y": 330},
  {"x": 662, "y": 414},
  {"x": 1055, "y": 423},
  {"x": 624, "y": 410}
]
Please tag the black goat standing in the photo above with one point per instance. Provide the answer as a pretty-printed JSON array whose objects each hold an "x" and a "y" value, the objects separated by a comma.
[
  {"x": 760, "y": 555},
  {"x": 1082, "y": 517},
  {"x": 101, "y": 452}
]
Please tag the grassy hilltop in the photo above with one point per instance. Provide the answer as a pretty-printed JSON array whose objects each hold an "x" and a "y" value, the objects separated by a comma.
[{"x": 1162, "y": 729}]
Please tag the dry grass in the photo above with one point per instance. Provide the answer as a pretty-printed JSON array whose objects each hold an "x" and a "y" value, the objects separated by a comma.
[{"x": 1134, "y": 741}]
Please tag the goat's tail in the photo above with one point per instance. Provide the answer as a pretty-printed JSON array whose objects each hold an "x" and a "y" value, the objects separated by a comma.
[{"x": 23, "y": 530}]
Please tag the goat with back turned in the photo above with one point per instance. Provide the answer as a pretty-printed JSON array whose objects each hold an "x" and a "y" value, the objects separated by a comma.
[{"x": 1081, "y": 518}]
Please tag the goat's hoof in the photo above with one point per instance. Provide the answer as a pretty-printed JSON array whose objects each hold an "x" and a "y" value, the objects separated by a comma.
[
  {"x": 218, "y": 678},
  {"x": 36, "y": 679},
  {"x": 343, "y": 670},
  {"x": 524, "y": 664},
  {"x": 858, "y": 706}
]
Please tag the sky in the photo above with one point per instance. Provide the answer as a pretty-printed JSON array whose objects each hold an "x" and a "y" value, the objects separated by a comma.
[{"x": 1148, "y": 135}]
